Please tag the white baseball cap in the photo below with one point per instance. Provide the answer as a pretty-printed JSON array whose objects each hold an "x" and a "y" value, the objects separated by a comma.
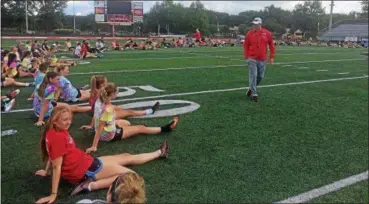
[{"x": 257, "y": 21}]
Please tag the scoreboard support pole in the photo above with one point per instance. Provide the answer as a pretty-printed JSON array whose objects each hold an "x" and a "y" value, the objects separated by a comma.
[{"x": 113, "y": 30}]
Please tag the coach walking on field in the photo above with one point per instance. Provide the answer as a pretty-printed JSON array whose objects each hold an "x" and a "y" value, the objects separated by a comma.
[{"x": 255, "y": 52}]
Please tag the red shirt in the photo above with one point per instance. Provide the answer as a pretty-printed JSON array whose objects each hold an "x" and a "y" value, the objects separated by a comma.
[
  {"x": 256, "y": 42},
  {"x": 92, "y": 101},
  {"x": 75, "y": 161},
  {"x": 198, "y": 35}
]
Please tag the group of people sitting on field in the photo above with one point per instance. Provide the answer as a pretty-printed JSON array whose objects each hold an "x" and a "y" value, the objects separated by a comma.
[{"x": 54, "y": 102}]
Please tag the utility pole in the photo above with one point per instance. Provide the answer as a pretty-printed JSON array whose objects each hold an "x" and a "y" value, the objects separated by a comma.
[
  {"x": 74, "y": 20},
  {"x": 331, "y": 15},
  {"x": 26, "y": 17}
]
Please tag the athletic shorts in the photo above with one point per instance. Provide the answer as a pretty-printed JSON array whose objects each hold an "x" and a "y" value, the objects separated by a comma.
[
  {"x": 95, "y": 168},
  {"x": 118, "y": 133}
]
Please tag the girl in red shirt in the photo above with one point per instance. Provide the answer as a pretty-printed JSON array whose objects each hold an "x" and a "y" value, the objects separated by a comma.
[{"x": 75, "y": 166}]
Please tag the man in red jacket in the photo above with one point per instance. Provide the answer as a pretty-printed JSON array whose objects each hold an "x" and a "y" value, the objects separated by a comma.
[{"x": 255, "y": 51}]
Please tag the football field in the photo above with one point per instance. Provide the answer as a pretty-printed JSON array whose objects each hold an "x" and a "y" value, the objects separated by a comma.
[{"x": 309, "y": 128}]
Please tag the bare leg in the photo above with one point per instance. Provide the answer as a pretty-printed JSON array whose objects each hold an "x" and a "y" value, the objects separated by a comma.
[
  {"x": 121, "y": 113},
  {"x": 76, "y": 108},
  {"x": 130, "y": 131},
  {"x": 122, "y": 123},
  {"x": 10, "y": 81},
  {"x": 85, "y": 95}
]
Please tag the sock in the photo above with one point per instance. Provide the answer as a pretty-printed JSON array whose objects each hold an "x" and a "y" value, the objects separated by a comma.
[
  {"x": 149, "y": 111},
  {"x": 89, "y": 187},
  {"x": 166, "y": 128},
  {"x": 27, "y": 84}
]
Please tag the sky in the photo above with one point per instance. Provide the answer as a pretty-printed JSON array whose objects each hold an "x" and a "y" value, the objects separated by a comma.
[{"x": 232, "y": 7}]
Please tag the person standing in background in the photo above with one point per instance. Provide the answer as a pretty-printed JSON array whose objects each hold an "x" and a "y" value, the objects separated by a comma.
[{"x": 255, "y": 51}]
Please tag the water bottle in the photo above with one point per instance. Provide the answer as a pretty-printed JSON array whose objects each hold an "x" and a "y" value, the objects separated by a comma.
[{"x": 8, "y": 132}]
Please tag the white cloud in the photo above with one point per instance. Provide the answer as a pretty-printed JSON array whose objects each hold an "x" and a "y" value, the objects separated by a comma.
[{"x": 231, "y": 7}]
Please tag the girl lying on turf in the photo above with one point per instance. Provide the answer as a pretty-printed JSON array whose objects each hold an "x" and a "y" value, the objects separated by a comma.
[
  {"x": 15, "y": 70},
  {"x": 54, "y": 61},
  {"x": 68, "y": 92},
  {"x": 107, "y": 128},
  {"x": 126, "y": 188},
  {"x": 44, "y": 98},
  {"x": 60, "y": 154},
  {"x": 97, "y": 83}
]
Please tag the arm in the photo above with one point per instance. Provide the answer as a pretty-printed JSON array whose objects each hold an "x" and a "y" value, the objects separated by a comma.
[
  {"x": 45, "y": 106},
  {"x": 56, "y": 166},
  {"x": 271, "y": 47},
  {"x": 100, "y": 129},
  {"x": 44, "y": 172},
  {"x": 246, "y": 46}
]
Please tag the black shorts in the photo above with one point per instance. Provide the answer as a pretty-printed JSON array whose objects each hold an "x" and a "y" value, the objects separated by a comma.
[
  {"x": 79, "y": 93},
  {"x": 118, "y": 133}
]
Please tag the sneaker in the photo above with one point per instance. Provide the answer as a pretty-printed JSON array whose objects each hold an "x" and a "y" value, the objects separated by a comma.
[
  {"x": 82, "y": 187},
  {"x": 155, "y": 107},
  {"x": 85, "y": 87},
  {"x": 14, "y": 93},
  {"x": 164, "y": 149},
  {"x": 249, "y": 93},
  {"x": 254, "y": 98},
  {"x": 32, "y": 84},
  {"x": 8, "y": 106}
]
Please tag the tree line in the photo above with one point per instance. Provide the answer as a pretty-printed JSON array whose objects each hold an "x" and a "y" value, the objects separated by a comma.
[{"x": 170, "y": 17}]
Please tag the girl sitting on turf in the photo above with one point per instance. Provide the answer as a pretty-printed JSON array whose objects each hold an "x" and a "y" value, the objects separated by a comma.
[
  {"x": 13, "y": 70},
  {"x": 26, "y": 60},
  {"x": 5, "y": 82},
  {"x": 69, "y": 93},
  {"x": 44, "y": 98},
  {"x": 60, "y": 154},
  {"x": 54, "y": 61},
  {"x": 97, "y": 83},
  {"x": 108, "y": 129}
]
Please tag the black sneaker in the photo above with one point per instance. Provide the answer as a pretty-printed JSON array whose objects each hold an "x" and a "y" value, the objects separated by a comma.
[
  {"x": 249, "y": 93},
  {"x": 254, "y": 98},
  {"x": 155, "y": 107}
]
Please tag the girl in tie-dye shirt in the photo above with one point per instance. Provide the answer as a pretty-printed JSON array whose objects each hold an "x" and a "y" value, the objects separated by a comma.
[
  {"x": 107, "y": 128},
  {"x": 44, "y": 98},
  {"x": 68, "y": 92}
]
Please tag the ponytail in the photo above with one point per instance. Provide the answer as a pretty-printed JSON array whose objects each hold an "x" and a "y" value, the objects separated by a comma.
[
  {"x": 106, "y": 92},
  {"x": 45, "y": 82},
  {"x": 96, "y": 82}
]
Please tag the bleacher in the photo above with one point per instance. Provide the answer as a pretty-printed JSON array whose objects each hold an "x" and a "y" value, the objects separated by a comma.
[{"x": 351, "y": 28}]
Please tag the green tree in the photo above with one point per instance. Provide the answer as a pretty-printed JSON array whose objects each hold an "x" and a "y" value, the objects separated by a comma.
[
  {"x": 50, "y": 14},
  {"x": 364, "y": 9}
]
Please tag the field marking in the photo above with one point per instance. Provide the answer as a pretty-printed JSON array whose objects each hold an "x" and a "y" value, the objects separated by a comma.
[
  {"x": 152, "y": 58},
  {"x": 343, "y": 73},
  {"x": 335, "y": 186},
  {"x": 303, "y": 67},
  {"x": 216, "y": 91},
  {"x": 205, "y": 67},
  {"x": 322, "y": 70}
]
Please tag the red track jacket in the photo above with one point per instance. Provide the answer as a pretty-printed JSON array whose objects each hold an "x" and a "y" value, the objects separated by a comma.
[{"x": 255, "y": 45}]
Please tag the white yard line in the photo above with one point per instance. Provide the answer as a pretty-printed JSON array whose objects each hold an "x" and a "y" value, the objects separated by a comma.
[
  {"x": 218, "y": 90},
  {"x": 344, "y": 73},
  {"x": 322, "y": 70},
  {"x": 317, "y": 192},
  {"x": 204, "y": 67}
]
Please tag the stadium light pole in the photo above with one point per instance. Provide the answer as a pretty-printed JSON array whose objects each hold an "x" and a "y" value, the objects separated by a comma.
[
  {"x": 331, "y": 15},
  {"x": 26, "y": 17},
  {"x": 74, "y": 20}
]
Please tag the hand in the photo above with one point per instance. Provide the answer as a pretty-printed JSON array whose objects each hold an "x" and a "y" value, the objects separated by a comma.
[
  {"x": 271, "y": 60},
  {"x": 41, "y": 172},
  {"x": 49, "y": 199},
  {"x": 85, "y": 127},
  {"x": 40, "y": 123},
  {"x": 91, "y": 149}
]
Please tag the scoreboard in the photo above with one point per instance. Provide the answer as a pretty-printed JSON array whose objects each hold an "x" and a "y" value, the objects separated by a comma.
[{"x": 120, "y": 12}]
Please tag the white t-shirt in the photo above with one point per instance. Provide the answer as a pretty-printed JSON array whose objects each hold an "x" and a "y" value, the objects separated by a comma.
[
  {"x": 77, "y": 51},
  {"x": 99, "y": 44},
  {"x": 88, "y": 201}
]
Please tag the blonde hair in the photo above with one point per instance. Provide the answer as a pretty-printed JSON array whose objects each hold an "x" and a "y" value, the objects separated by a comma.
[
  {"x": 131, "y": 189},
  {"x": 44, "y": 66},
  {"x": 107, "y": 91},
  {"x": 96, "y": 82},
  {"x": 60, "y": 68},
  {"x": 55, "y": 116}
]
